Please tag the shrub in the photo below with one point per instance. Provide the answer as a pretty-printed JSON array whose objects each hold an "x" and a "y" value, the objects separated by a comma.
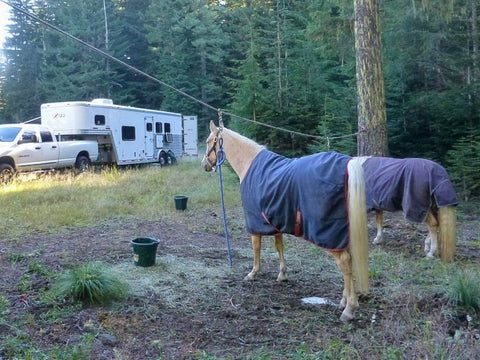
[{"x": 92, "y": 283}]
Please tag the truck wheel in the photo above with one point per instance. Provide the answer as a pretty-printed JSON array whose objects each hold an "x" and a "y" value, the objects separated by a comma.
[
  {"x": 82, "y": 164},
  {"x": 6, "y": 173}
]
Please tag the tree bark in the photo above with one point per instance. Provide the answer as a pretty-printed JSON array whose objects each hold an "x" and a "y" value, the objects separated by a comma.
[{"x": 372, "y": 117}]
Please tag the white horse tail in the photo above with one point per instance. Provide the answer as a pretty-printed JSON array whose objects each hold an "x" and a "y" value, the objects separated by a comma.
[
  {"x": 447, "y": 232},
  {"x": 357, "y": 215}
]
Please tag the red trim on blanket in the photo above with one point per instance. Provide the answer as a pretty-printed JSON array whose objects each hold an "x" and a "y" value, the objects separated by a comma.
[{"x": 298, "y": 224}]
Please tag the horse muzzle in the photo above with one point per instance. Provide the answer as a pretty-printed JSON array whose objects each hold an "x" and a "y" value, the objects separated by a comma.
[{"x": 206, "y": 164}]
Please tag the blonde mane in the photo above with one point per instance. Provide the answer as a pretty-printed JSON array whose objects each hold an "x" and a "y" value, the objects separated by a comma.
[{"x": 240, "y": 151}]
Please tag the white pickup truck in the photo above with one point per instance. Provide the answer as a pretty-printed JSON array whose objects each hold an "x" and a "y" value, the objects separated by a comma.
[{"x": 29, "y": 147}]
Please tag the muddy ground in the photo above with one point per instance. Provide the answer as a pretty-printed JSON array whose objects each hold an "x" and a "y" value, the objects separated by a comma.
[{"x": 192, "y": 305}]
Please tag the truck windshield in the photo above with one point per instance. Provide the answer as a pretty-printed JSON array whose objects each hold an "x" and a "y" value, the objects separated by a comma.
[{"x": 8, "y": 134}]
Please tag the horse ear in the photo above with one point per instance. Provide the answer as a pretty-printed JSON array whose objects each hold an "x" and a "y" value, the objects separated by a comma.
[{"x": 213, "y": 128}]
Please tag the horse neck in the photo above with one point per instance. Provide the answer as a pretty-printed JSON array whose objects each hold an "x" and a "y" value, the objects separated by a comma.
[{"x": 240, "y": 151}]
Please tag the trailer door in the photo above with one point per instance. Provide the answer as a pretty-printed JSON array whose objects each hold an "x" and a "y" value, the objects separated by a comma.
[
  {"x": 190, "y": 135},
  {"x": 149, "y": 143}
]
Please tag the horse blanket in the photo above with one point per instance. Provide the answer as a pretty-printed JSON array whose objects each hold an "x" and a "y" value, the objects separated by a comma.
[
  {"x": 407, "y": 184},
  {"x": 305, "y": 197}
]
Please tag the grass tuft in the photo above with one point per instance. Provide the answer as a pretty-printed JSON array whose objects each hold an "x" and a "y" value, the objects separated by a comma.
[
  {"x": 92, "y": 283},
  {"x": 465, "y": 290}
]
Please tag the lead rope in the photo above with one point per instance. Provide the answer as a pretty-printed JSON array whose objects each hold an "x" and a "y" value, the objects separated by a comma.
[{"x": 220, "y": 160}]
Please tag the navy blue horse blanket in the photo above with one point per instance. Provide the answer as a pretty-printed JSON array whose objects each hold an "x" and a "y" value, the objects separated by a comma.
[
  {"x": 305, "y": 197},
  {"x": 407, "y": 184}
]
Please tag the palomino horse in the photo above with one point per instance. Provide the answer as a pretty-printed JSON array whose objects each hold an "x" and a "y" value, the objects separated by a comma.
[
  {"x": 419, "y": 187},
  {"x": 319, "y": 197},
  {"x": 422, "y": 190}
]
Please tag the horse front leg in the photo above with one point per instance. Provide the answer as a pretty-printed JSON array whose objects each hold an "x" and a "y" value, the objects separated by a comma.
[
  {"x": 379, "y": 222},
  {"x": 256, "y": 245},
  {"x": 282, "y": 275},
  {"x": 349, "y": 299},
  {"x": 431, "y": 242}
]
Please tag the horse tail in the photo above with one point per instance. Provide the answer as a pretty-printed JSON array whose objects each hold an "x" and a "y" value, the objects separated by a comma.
[
  {"x": 357, "y": 216},
  {"x": 447, "y": 232}
]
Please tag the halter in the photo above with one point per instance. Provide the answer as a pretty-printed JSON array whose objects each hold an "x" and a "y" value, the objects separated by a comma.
[
  {"x": 219, "y": 152},
  {"x": 216, "y": 140}
]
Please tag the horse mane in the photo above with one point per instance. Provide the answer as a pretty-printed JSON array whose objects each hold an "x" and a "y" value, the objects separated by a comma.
[
  {"x": 242, "y": 138},
  {"x": 362, "y": 159}
]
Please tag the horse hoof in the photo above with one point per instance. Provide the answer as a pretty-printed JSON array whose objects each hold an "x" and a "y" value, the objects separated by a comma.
[
  {"x": 249, "y": 277},
  {"x": 281, "y": 278},
  {"x": 346, "y": 317},
  {"x": 430, "y": 256}
]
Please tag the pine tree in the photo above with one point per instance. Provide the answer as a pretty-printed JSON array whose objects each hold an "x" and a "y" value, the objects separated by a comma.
[
  {"x": 23, "y": 69},
  {"x": 188, "y": 43},
  {"x": 70, "y": 71}
]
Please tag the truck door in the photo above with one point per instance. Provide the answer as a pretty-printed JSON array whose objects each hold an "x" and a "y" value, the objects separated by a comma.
[
  {"x": 48, "y": 149},
  {"x": 149, "y": 141},
  {"x": 37, "y": 150},
  {"x": 28, "y": 150}
]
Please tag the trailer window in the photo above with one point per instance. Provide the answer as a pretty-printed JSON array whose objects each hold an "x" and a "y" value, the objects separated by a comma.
[
  {"x": 46, "y": 136},
  {"x": 149, "y": 127},
  {"x": 99, "y": 119},
  {"x": 167, "y": 128},
  {"x": 128, "y": 133},
  {"x": 158, "y": 127}
]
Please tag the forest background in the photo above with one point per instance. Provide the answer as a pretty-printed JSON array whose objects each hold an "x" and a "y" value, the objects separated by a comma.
[{"x": 286, "y": 63}]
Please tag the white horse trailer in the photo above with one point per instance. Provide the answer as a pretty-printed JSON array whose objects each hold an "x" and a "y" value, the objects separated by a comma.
[{"x": 125, "y": 135}]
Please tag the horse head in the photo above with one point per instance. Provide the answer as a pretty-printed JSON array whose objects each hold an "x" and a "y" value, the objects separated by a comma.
[{"x": 209, "y": 160}]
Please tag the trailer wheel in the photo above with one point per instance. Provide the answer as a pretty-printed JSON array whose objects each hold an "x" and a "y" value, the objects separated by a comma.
[
  {"x": 171, "y": 157},
  {"x": 6, "y": 173},
  {"x": 82, "y": 164},
  {"x": 163, "y": 159}
]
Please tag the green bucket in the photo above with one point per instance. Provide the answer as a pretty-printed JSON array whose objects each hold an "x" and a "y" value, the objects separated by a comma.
[
  {"x": 144, "y": 251},
  {"x": 181, "y": 202}
]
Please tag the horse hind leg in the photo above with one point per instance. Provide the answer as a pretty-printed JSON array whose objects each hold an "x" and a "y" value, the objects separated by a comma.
[
  {"x": 282, "y": 275},
  {"x": 379, "y": 222},
  {"x": 349, "y": 298},
  {"x": 428, "y": 243},
  {"x": 256, "y": 245},
  {"x": 431, "y": 242}
]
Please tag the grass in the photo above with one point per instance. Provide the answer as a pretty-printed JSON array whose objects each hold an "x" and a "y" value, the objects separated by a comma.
[
  {"x": 63, "y": 200},
  {"x": 465, "y": 289},
  {"x": 92, "y": 283}
]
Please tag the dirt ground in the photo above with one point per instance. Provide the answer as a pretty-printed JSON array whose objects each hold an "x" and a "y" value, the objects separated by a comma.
[{"x": 214, "y": 312}]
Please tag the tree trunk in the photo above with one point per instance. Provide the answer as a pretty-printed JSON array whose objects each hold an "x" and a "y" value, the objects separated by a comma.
[
  {"x": 372, "y": 117},
  {"x": 473, "y": 75}
]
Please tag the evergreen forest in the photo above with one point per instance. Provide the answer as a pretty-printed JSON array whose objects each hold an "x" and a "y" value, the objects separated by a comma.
[{"x": 286, "y": 63}]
